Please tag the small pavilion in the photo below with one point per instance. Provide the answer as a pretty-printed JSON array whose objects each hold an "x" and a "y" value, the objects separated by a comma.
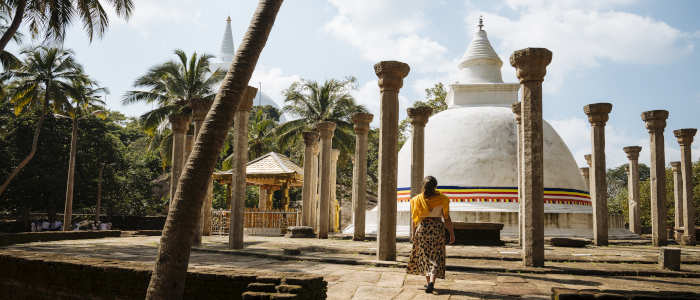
[{"x": 270, "y": 172}]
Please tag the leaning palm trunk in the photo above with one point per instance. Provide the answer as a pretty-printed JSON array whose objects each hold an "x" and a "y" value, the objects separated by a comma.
[
  {"x": 16, "y": 21},
  {"x": 168, "y": 278},
  {"x": 68, "y": 210},
  {"x": 32, "y": 152}
]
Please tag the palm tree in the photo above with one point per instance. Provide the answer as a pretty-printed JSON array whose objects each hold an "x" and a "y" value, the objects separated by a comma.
[
  {"x": 170, "y": 270},
  {"x": 312, "y": 103},
  {"x": 51, "y": 17},
  {"x": 7, "y": 59},
  {"x": 261, "y": 136},
  {"x": 45, "y": 77},
  {"x": 83, "y": 102}
]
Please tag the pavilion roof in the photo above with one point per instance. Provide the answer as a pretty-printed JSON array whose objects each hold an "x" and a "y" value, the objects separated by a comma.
[{"x": 269, "y": 169}]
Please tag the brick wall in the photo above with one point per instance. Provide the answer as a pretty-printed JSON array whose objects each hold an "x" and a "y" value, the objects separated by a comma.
[{"x": 42, "y": 276}]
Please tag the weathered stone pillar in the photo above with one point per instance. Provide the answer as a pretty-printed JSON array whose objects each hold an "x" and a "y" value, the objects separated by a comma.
[
  {"x": 179, "y": 124},
  {"x": 310, "y": 139},
  {"x": 677, "y": 201},
  {"x": 325, "y": 129},
  {"x": 238, "y": 168},
  {"x": 588, "y": 159},
  {"x": 359, "y": 174},
  {"x": 419, "y": 118},
  {"x": 333, "y": 207},
  {"x": 391, "y": 74},
  {"x": 598, "y": 115},
  {"x": 531, "y": 64},
  {"x": 517, "y": 111},
  {"x": 585, "y": 172},
  {"x": 200, "y": 108},
  {"x": 685, "y": 139},
  {"x": 262, "y": 197},
  {"x": 315, "y": 200},
  {"x": 655, "y": 122},
  {"x": 633, "y": 188},
  {"x": 189, "y": 142}
]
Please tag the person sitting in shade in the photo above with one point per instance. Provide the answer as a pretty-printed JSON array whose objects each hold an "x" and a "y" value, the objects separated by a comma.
[{"x": 428, "y": 210}]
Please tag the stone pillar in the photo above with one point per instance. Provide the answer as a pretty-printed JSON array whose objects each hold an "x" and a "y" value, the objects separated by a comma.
[
  {"x": 633, "y": 188},
  {"x": 655, "y": 122},
  {"x": 598, "y": 115},
  {"x": 310, "y": 140},
  {"x": 315, "y": 185},
  {"x": 325, "y": 129},
  {"x": 333, "y": 207},
  {"x": 200, "y": 108},
  {"x": 588, "y": 159},
  {"x": 531, "y": 64},
  {"x": 238, "y": 168},
  {"x": 585, "y": 172},
  {"x": 685, "y": 139},
  {"x": 419, "y": 118},
  {"x": 391, "y": 74},
  {"x": 677, "y": 201},
  {"x": 179, "y": 124},
  {"x": 262, "y": 197},
  {"x": 517, "y": 111},
  {"x": 359, "y": 174},
  {"x": 189, "y": 142}
]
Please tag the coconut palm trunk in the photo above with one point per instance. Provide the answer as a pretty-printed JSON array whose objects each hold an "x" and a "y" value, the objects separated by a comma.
[
  {"x": 16, "y": 21},
  {"x": 32, "y": 152},
  {"x": 170, "y": 270},
  {"x": 68, "y": 210}
]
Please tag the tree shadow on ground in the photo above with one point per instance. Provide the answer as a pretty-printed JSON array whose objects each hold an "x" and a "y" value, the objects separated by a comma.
[{"x": 561, "y": 281}]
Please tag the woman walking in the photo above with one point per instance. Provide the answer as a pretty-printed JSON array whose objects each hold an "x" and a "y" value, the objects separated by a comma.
[{"x": 428, "y": 210}]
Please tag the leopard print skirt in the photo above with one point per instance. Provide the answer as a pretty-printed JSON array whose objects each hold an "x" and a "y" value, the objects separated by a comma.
[{"x": 428, "y": 253}]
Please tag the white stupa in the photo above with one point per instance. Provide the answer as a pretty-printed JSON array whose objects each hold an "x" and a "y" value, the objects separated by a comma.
[{"x": 471, "y": 149}]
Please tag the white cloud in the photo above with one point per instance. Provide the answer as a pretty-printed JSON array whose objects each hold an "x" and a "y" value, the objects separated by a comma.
[
  {"x": 273, "y": 81},
  {"x": 583, "y": 35},
  {"x": 149, "y": 12},
  {"x": 367, "y": 94}
]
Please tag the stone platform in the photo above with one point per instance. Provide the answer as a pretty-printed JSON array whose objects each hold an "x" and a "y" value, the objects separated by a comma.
[{"x": 474, "y": 272}]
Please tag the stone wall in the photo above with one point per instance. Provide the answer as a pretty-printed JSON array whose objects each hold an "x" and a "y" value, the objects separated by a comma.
[
  {"x": 45, "y": 236},
  {"x": 137, "y": 222},
  {"x": 42, "y": 276}
]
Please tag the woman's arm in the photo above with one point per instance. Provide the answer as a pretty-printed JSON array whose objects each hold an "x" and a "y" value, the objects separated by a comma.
[{"x": 450, "y": 228}]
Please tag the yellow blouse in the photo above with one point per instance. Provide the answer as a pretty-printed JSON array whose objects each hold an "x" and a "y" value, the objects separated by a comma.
[{"x": 421, "y": 207}]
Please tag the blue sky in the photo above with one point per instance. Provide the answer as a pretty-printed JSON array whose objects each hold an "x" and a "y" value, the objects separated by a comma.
[{"x": 637, "y": 54}]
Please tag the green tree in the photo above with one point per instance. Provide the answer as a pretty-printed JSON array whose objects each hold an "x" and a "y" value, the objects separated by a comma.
[
  {"x": 53, "y": 17},
  {"x": 45, "y": 77},
  {"x": 434, "y": 98}
]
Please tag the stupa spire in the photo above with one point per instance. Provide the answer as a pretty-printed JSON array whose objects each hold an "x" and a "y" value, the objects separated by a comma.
[
  {"x": 480, "y": 62},
  {"x": 227, "y": 50}
]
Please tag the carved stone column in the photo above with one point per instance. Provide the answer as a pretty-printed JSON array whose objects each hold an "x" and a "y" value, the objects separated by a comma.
[
  {"x": 685, "y": 139},
  {"x": 200, "y": 108},
  {"x": 517, "y": 111},
  {"x": 530, "y": 64},
  {"x": 677, "y": 201},
  {"x": 419, "y": 118},
  {"x": 316, "y": 186},
  {"x": 238, "y": 170},
  {"x": 633, "y": 188},
  {"x": 189, "y": 142},
  {"x": 588, "y": 159},
  {"x": 262, "y": 197},
  {"x": 585, "y": 172},
  {"x": 655, "y": 122},
  {"x": 391, "y": 74},
  {"x": 598, "y": 115},
  {"x": 333, "y": 208},
  {"x": 325, "y": 129},
  {"x": 179, "y": 124},
  {"x": 310, "y": 140},
  {"x": 359, "y": 174}
]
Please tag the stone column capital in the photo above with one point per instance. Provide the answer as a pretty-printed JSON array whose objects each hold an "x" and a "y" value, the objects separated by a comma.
[
  {"x": 517, "y": 111},
  {"x": 391, "y": 74},
  {"x": 310, "y": 137},
  {"x": 655, "y": 120},
  {"x": 676, "y": 166},
  {"x": 585, "y": 171},
  {"x": 179, "y": 122},
  {"x": 685, "y": 136},
  {"x": 325, "y": 129},
  {"x": 588, "y": 159},
  {"x": 597, "y": 113},
  {"x": 246, "y": 103},
  {"x": 335, "y": 153},
  {"x": 419, "y": 115},
  {"x": 531, "y": 63},
  {"x": 200, "y": 108},
  {"x": 632, "y": 152},
  {"x": 361, "y": 121}
]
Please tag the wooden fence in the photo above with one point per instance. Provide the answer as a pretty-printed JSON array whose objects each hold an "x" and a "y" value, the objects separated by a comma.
[{"x": 256, "y": 218}]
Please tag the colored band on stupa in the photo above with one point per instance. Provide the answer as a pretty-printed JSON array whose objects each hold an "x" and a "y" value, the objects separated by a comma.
[{"x": 503, "y": 195}]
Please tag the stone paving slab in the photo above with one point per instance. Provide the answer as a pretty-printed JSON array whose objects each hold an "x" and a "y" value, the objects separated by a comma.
[{"x": 380, "y": 282}]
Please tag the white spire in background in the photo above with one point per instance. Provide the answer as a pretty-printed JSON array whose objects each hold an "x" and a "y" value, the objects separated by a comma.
[
  {"x": 227, "y": 50},
  {"x": 480, "y": 63}
]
